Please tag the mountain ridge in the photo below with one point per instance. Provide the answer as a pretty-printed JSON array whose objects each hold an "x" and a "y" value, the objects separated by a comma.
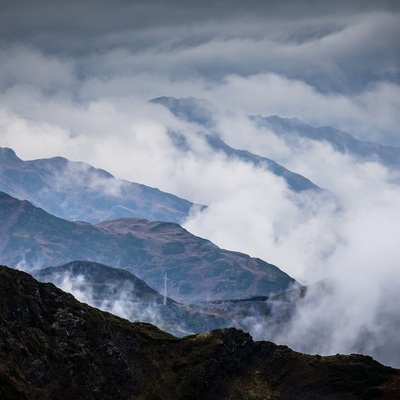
[
  {"x": 118, "y": 291},
  {"x": 197, "y": 269},
  {"x": 199, "y": 111},
  {"x": 291, "y": 130},
  {"x": 55, "y": 347},
  {"x": 58, "y": 185}
]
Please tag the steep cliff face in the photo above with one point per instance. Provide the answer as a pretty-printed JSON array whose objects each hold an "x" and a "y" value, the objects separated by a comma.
[{"x": 52, "y": 346}]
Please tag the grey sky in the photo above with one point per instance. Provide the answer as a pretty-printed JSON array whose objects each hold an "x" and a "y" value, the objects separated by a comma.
[
  {"x": 333, "y": 46},
  {"x": 328, "y": 63}
]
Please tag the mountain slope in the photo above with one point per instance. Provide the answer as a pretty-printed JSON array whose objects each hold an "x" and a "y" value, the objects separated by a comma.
[
  {"x": 103, "y": 281},
  {"x": 55, "y": 347},
  {"x": 296, "y": 182},
  {"x": 197, "y": 269},
  {"x": 77, "y": 191},
  {"x": 201, "y": 112},
  {"x": 293, "y": 129},
  {"x": 189, "y": 109},
  {"x": 121, "y": 293}
]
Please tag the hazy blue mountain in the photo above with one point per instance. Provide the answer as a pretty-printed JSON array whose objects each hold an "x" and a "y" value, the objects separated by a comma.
[
  {"x": 197, "y": 269},
  {"x": 78, "y": 191},
  {"x": 293, "y": 129},
  {"x": 290, "y": 129},
  {"x": 201, "y": 112},
  {"x": 103, "y": 282},
  {"x": 189, "y": 109},
  {"x": 118, "y": 291},
  {"x": 295, "y": 181},
  {"x": 122, "y": 293}
]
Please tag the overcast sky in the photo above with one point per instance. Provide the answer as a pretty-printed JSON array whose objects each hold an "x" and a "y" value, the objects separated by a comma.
[
  {"x": 76, "y": 76},
  {"x": 329, "y": 63}
]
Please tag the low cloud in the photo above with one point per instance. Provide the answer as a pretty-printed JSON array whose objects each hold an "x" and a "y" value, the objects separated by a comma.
[
  {"x": 29, "y": 67},
  {"x": 369, "y": 115},
  {"x": 118, "y": 300},
  {"x": 348, "y": 240}
]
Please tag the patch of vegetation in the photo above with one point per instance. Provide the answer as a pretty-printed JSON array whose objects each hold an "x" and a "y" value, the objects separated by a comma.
[
  {"x": 251, "y": 386},
  {"x": 362, "y": 380},
  {"x": 172, "y": 248},
  {"x": 185, "y": 288}
]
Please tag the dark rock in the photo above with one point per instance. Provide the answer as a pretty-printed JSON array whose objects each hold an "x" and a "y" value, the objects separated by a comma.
[{"x": 53, "y": 347}]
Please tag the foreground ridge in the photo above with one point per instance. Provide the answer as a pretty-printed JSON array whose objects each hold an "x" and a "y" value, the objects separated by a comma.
[{"x": 53, "y": 346}]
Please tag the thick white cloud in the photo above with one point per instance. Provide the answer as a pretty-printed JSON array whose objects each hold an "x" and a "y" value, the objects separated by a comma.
[{"x": 370, "y": 115}]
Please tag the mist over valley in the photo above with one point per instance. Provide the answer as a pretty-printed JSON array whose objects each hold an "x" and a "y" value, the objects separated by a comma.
[{"x": 221, "y": 180}]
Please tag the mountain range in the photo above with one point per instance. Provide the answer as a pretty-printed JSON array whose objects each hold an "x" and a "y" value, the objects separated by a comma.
[
  {"x": 198, "y": 111},
  {"x": 58, "y": 185},
  {"x": 52, "y": 346},
  {"x": 79, "y": 192},
  {"x": 197, "y": 269},
  {"x": 291, "y": 130}
]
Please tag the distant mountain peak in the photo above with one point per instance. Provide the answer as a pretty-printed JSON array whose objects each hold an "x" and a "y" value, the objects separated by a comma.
[
  {"x": 189, "y": 109},
  {"x": 7, "y": 154}
]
